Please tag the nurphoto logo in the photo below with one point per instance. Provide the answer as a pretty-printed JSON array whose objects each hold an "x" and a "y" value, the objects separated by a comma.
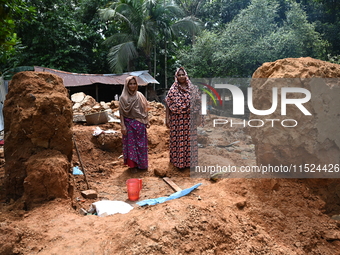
[{"x": 239, "y": 99}]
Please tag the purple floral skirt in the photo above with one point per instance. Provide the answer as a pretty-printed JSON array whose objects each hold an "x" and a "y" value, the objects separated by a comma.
[{"x": 135, "y": 144}]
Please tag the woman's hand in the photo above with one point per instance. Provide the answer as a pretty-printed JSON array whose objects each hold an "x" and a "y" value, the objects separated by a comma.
[
  {"x": 199, "y": 120},
  {"x": 123, "y": 130},
  {"x": 167, "y": 116}
]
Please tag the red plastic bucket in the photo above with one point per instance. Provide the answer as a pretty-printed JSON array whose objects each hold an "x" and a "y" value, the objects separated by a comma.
[{"x": 133, "y": 186}]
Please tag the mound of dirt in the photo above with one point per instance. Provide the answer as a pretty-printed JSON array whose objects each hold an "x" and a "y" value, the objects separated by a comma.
[
  {"x": 47, "y": 177},
  {"x": 293, "y": 137},
  {"x": 38, "y": 135},
  {"x": 298, "y": 68}
]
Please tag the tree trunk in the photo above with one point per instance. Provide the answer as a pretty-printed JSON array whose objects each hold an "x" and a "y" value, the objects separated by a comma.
[
  {"x": 154, "y": 66},
  {"x": 165, "y": 65}
]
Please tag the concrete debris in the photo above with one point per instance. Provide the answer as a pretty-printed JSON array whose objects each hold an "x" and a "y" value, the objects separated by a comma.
[
  {"x": 84, "y": 105},
  {"x": 90, "y": 194}
]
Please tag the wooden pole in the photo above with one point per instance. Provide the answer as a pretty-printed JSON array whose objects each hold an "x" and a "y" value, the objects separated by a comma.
[
  {"x": 97, "y": 94},
  {"x": 81, "y": 163}
]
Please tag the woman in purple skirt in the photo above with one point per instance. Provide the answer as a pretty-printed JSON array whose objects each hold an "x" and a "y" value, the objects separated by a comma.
[{"x": 133, "y": 110}]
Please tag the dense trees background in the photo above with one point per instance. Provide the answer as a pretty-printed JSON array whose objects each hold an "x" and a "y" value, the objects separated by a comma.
[
  {"x": 12, "y": 13},
  {"x": 211, "y": 38},
  {"x": 257, "y": 34}
]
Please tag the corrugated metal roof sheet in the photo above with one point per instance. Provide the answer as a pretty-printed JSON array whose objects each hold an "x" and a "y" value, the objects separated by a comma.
[{"x": 78, "y": 79}]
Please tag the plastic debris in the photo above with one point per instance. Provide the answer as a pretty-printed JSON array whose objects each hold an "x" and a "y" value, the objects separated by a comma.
[
  {"x": 160, "y": 200},
  {"x": 82, "y": 211},
  {"x": 80, "y": 200},
  {"x": 116, "y": 114},
  {"x": 97, "y": 131},
  {"x": 113, "y": 119},
  {"x": 107, "y": 207},
  {"x": 77, "y": 171}
]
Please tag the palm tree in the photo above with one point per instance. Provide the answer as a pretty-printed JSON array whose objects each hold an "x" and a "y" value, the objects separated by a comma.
[
  {"x": 191, "y": 7},
  {"x": 140, "y": 25}
]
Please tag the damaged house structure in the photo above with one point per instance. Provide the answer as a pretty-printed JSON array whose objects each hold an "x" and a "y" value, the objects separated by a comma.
[{"x": 102, "y": 87}]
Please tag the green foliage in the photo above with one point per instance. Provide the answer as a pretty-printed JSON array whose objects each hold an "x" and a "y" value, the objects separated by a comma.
[
  {"x": 326, "y": 16},
  {"x": 200, "y": 60},
  {"x": 10, "y": 72},
  {"x": 240, "y": 35},
  {"x": 141, "y": 25},
  {"x": 256, "y": 35},
  {"x": 334, "y": 59},
  {"x": 216, "y": 13},
  {"x": 12, "y": 13},
  {"x": 64, "y": 35},
  {"x": 300, "y": 38}
]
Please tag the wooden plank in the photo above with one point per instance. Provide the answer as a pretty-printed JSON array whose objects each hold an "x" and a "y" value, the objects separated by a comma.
[{"x": 172, "y": 184}]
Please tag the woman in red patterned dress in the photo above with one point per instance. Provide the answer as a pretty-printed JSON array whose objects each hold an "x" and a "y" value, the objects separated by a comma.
[{"x": 182, "y": 117}]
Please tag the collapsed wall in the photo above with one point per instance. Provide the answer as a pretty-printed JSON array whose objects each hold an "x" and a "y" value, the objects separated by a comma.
[
  {"x": 300, "y": 138},
  {"x": 38, "y": 138}
]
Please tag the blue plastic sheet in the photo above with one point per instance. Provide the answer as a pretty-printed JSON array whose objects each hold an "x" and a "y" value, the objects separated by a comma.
[
  {"x": 77, "y": 171},
  {"x": 178, "y": 194}
]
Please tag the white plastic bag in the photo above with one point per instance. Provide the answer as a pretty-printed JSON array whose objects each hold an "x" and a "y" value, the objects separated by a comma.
[{"x": 107, "y": 207}]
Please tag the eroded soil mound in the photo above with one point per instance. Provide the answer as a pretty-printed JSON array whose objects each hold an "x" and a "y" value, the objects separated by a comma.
[
  {"x": 298, "y": 68},
  {"x": 38, "y": 117},
  {"x": 303, "y": 129},
  {"x": 47, "y": 177}
]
